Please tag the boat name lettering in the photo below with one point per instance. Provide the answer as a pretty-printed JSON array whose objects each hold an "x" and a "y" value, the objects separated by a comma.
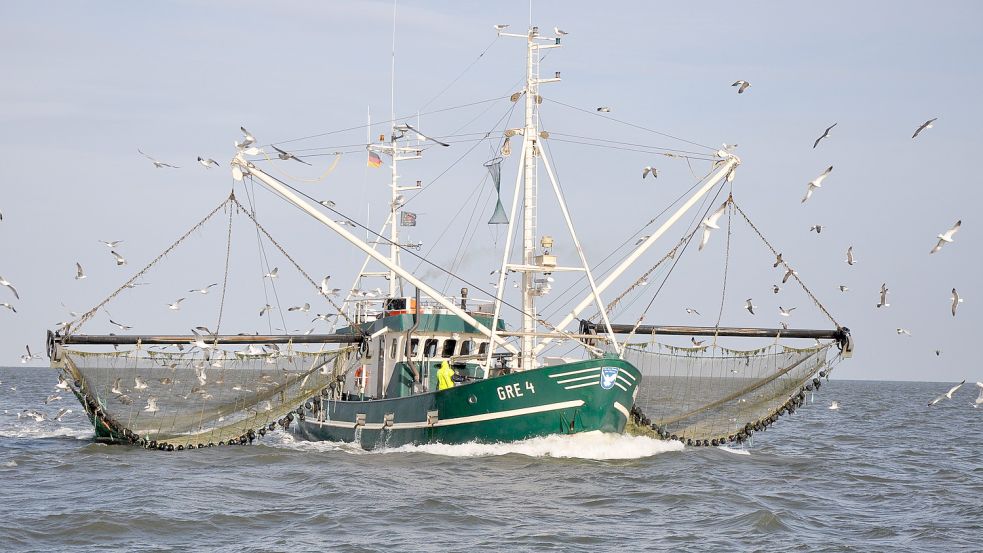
[{"x": 512, "y": 391}]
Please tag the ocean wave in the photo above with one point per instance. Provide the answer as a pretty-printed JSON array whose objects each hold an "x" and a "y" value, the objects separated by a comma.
[
  {"x": 600, "y": 446},
  {"x": 40, "y": 432}
]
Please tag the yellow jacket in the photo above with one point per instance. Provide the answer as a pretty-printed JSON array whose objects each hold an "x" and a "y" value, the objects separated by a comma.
[{"x": 444, "y": 375}]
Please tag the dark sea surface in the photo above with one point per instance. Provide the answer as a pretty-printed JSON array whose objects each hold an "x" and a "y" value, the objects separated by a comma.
[{"x": 882, "y": 473}]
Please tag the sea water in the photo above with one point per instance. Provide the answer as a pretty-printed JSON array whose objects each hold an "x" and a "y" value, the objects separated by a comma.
[{"x": 884, "y": 472}]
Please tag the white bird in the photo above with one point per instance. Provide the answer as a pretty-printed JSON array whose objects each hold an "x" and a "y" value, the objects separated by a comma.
[
  {"x": 112, "y": 244},
  {"x": 559, "y": 31},
  {"x": 5, "y": 282},
  {"x": 248, "y": 138},
  {"x": 778, "y": 261},
  {"x": 302, "y": 308},
  {"x": 850, "y": 260},
  {"x": 956, "y": 300},
  {"x": 116, "y": 389},
  {"x": 925, "y": 125},
  {"x": 775, "y": 288},
  {"x": 834, "y": 405},
  {"x": 749, "y": 306},
  {"x": 327, "y": 203},
  {"x": 287, "y": 155},
  {"x": 979, "y": 400},
  {"x": 121, "y": 326},
  {"x": 151, "y": 406},
  {"x": 604, "y": 109},
  {"x": 139, "y": 384},
  {"x": 52, "y": 397},
  {"x": 788, "y": 274},
  {"x": 320, "y": 317},
  {"x": 120, "y": 260},
  {"x": 501, "y": 27},
  {"x": 786, "y": 312},
  {"x": 947, "y": 395},
  {"x": 208, "y": 163},
  {"x": 691, "y": 311},
  {"x": 324, "y": 290},
  {"x": 641, "y": 239},
  {"x": 31, "y": 413},
  {"x": 29, "y": 356},
  {"x": 946, "y": 237},
  {"x": 817, "y": 183},
  {"x": 8, "y": 306},
  {"x": 79, "y": 273},
  {"x": 904, "y": 331},
  {"x": 825, "y": 134},
  {"x": 61, "y": 413},
  {"x": 265, "y": 308},
  {"x": 200, "y": 342},
  {"x": 696, "y": 342},
  {"x": 157, "y": 164},
  {"x": 176, "y": 305},
  {"x": 817, "y": 228},
  {"x": 649, "y": 169},
  {"x": 883, "y": 302},
  {"x": 272, "y": 274},
  {"x": 710, "y": 224},
  {"x": 203, "y": 290},
  {"x": 345, "y": 222},
  {"x": 784, "y": 325},
  {"x": 844, "y": 288},
  {"x": 743, "y": 86},
  {"x": 62, "y": 383}
]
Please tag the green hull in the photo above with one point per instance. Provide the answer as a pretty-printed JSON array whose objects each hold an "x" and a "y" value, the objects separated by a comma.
[{"x": 589, "y": 395}]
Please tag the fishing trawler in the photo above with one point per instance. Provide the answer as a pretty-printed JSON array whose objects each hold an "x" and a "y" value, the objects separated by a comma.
[{"x": 375, "y": 380}]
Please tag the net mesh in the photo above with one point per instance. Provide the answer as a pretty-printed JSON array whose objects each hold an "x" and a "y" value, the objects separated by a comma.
[
  {"x": 715, "y": 393},
  {"x": 192, "y": 398}
]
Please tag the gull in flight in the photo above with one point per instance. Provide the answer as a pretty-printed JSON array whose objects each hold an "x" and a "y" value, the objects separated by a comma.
[
  {"x": 248, "y": 138},
  {"x": 121, "y": 326},
  {"x": 946, "y": 237},
  {"x": 696, "y": 342},
  {"x": 691, "y": 311},
  {"x": 61, "y": 413},
  {"x": 786, "y": 312},
  {"x": 979, "y": 400},
  {"x": 151, "y": 405},
  {"x": 947, "y": 395},
  {"x": 817, "y": 183},
  {"x": 287, "y": 155},
  {"x": 264, "y": 310},
  {"x": 120, "y": 260},
  {"x": 272, "y": 274},
  {"x": 775, "y": 288},
  {"x": 817, "y": 228},
  {"x": 559, "y": 31},
  {"x": 956, "y": 300},
  {"x": 327, "y": 203},
  {"x": 834, "y": 405},
  {"x": 320, "y": 317},
  {"x": 649, "y": 169},
  {"x": 904, "y": 331},
  {"x": 788, "y": 275},
  {"x": 207, "y": 162},
  {"x": 139, "y": 384},
  {"x": 604, "y": 109},
  {"x": 883, "y": 302},
  {"x": 925, "y": 125},
  {"x": 749, "y": 306},
  {"x": 62, "y": 383},
  {"x": 778, "y": 261},
  {"x": 303, "y": 308},
  {"x": 5, "y": 282},
  {"x": 79, "y": 273},
  {"x": 844, "y": 288},
  {"x": 825, "y": 134},
  {"x": 29, "y": 356},
  {"x": 200, "y": 342},
  {"x": 176, "y": 305},
  {"x": 158, "y": 164},
  {"x": 743, "y": 86},
  {"x": 324, "y": 290},
  {"x": 116, "y": 389},
  {"x": 710, "y": 224},
  {"x": 784, "y": 325},
  {"x": 8, "y": 306},
  {"x": 501, "y": 27},
  {"x": 344, "y": 222},
  {"x": 641, "y": 239},
  {"x": 850, "y": 260},
  {"x": 203, "y": 290},
  {"x": 112, "y": 244}
]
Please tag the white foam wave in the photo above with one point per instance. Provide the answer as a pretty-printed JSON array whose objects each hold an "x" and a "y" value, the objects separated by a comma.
[
  {"x": 41, "y": 432},
  {"x": 735, "y": 451},
  {"x": 596, "y": 445},
  {"x": 10, "y": 464}
]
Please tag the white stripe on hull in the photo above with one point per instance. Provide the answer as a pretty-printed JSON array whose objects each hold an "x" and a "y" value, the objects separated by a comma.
[
  {"x": 459, "y": 420},
  {"x": 621, "y": 409}
]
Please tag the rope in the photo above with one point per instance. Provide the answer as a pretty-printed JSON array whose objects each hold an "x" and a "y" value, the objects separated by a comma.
[
  {"x": 225, "y": 278},
  {"x": 785, "y": 264},
  {"x": 723, "y": 287},
  {"x": 297, "y": 266},
  {"x": 641, "y": 279},
  {"x": 91, "y": 313}
]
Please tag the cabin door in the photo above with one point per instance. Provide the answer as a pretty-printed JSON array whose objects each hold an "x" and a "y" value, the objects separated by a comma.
[{"x": 381, "y": 367}]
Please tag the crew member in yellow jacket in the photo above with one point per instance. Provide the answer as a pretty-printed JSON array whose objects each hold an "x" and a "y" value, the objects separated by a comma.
[{"x": 444, "y": 375}]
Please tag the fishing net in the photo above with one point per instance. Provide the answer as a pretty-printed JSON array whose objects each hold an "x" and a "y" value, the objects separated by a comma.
[
  {"x": 187, "y": 399},
  {"x": 711, "y": 393}
]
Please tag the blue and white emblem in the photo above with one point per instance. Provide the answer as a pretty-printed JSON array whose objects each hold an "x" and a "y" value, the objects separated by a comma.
[{"x": 608, "y": 376}]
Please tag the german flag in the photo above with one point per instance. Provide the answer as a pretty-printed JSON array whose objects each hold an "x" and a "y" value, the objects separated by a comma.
[{"x": 374, "y": 160}]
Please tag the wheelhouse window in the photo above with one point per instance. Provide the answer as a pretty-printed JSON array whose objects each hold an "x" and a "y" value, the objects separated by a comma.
[
  {"x": 449, "y": 347},
  {"x": 414, "y": 346},
  {"x": 392, "y": 351},
  {"x": 482, "y": 348},
  {"x": 430, "y": 348},
  {"x": 466, "y": 347}
]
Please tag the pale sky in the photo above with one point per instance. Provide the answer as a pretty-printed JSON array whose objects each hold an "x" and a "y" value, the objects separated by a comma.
[{"x": 85, "y": 85}]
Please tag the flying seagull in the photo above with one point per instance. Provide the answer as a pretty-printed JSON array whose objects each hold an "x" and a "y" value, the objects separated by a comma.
[
  {"x": 778, "y": 260},
  {"x": 248, "y": 138},
  {"x": 122, "y": 327},
  {"x": 817, "y": 228},
  {"x": 5, "y": 282},
  {"x": 8, "y": 306},
  {"x": 641, "y": 239},
  {"x": 648, "y": 169},
  {"x": 956, "y": 300},
  {"x": 203, "y": 290},
  {"x": 691, "y": 311},
  {"x": 979, "y": 400},
  {"x": 883, "y": 302},
  {"x": 925, "y": 125},
  {"x": 157, "y": 164},
  {"x": 559, "y": 31},
  {"x": 324, "y": 290},
  {"x": 788, "y": 274},
  {"x": 408, "y": 126},
  {"x": 265, "y": 308},
  {"x": 947, "y": 395},
  {"x": 79, "y": 273},
  {"x": 775, "y": 288},
  {"x": 817, "y": 183},
  {"x": 208, "y": 162},
  {"x": 743, "y": 86},
  {"x": 946, "y": 238},
  {"x": 904, "y": 331},
  {"x": 786, "y": 312},
  {"x": 844, "y": 288},
  {"x": 139, "y": 384},
  {"x": 287, "y": 155},
  {"x": 749, "y": 306},
  {"x": 604, "y": 109},
  {"x": 696, "y": 342},
  {"x": 176, "y": 305},
  {"x": 850, "y": 260},
  {"x": 302, "y": 308},
  {"x": 112, "y": 244},
  {"x": 825, "y": 134},
  {"x": 120, "y": 260},
  {"x": 710, "y": 223},
  {"x": 151, "y": 405},
  {"x": 501, "y": 27},
  {"x": 272, "y": 274},
  {"x": 327, "y": 203}
]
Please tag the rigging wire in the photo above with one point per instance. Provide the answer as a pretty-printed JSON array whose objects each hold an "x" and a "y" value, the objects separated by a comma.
[{"x": 461, "y": 74}]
